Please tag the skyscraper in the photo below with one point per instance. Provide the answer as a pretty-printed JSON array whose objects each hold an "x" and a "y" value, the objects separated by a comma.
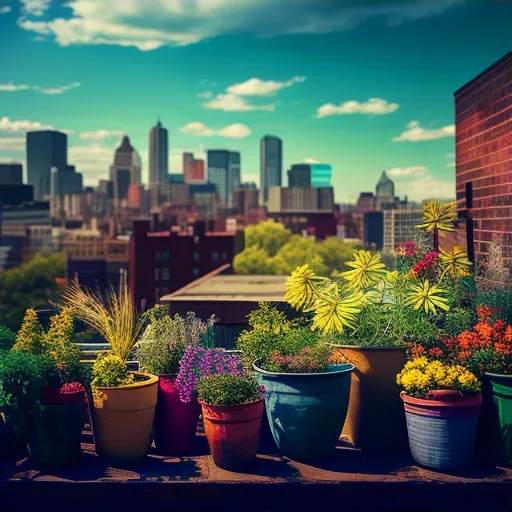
[
  {"x": 321, "y": 175},
  {"x": 384, "y": 192},
  {"x": 224, "y": 170},
  {"x": 45, "y": 149},
  {"x": 234, "y": 175},
  {"x": 483, "y": 138},
  {"x": 299, "y": 176},
  {"x": 271, "y": 165},
  {"x": 126, "y": 169},
  {"x": 158, "y": 155}
]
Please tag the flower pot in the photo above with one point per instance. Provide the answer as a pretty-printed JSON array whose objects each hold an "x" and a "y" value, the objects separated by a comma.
[
  {"x": 267, "y": 442},
  {"x": 442, "y": 429},
  {"x": 497, "y": 418},
  {"x": 233, "y": 433},
  {"x": 58, "y": 425},
  {"x": 122, "y": 419},
  {"x": 175, "y": 421},
  {"x": 375, "y": 419},
  {"x": 306, "y": 411}
]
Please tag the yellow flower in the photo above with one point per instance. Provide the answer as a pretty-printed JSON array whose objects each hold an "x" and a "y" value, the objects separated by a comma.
[
  {"x": 438, "y": 216},
  {"x": 368, "y": 270},
  {"x": 304, "y": 287},
  {"x": 455, "y": 263},
  {"x": 427, "y": 296}
]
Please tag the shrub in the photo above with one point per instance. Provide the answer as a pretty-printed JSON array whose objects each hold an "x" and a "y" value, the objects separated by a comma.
[
  {"x": 7, "y": 338},
  {"x": 309, "y": 360},
  {"x": 30, "y": 335},
  {"x": 109, "y": 370},
  {"x": 458, "y": 320},
  {"x": 229, "y": 389}
]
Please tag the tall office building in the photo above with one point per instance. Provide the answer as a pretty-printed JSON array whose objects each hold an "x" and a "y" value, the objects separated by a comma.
[
  {"x": 271, "y": 165},
  {"x": 224, "y": 171},
  {"x": 126, "y": 169},
  {"x": 321, "y": 175},
  {"x": 299, "y": 176},
  {"x": 483, "y": 137},
  {"x": 45, "y": 149},
  {"x": 158, "y": 155},
  {"x": 193, "y": 169},
  {"x": 384, "y": 192}
]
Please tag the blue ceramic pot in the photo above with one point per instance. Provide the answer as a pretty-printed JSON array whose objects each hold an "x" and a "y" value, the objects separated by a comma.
[{"x": 306, "y": 411}]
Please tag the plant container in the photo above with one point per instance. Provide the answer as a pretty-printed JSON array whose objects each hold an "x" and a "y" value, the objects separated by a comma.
[
  {"x": 497, "y": 418},
  {"x": 175, "y": 421},
  {"x": 233, "y": 433},
  {"x": 57, "y": 430},
  {"x": 306, "y": 411},
  {"x": 375, "y": 419},
  {"x": 442, "y": 428},
  {"x": 122, "y": 419}
]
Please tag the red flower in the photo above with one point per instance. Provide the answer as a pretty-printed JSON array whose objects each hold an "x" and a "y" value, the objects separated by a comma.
[{"x": 436, "y": 352}]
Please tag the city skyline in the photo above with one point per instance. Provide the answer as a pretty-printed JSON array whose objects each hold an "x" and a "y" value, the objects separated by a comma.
[{"x": 379, "y": 76}]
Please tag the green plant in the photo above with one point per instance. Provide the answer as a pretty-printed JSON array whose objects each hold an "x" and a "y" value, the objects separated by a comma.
[
  {"x": 229, "y": 390},
  {"x": 7, "y": 338},
  {"x": 109, "y": 370},
  {"x": 313, "y": 359},
  {"x": 166, "y": 338},
  {"x": 458, "y": 320},
  {"x": 30, "y": 336}
]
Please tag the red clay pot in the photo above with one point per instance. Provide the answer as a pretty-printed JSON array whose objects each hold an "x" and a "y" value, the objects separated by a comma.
[
  {"x": 175, "y": 421},
  {"x": 233, "y": 433}
]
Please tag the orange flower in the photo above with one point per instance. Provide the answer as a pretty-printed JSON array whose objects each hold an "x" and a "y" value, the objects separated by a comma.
[
  {"x": 436, "y": 352},
  {"x": 503, "y": 348},
  {"x": 417, "y": 351},
  {"x": 484, "y": 313},
  {"x": 484, "y": 330}
]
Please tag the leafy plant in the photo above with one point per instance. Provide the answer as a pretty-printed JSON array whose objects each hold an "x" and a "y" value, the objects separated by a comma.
[
  {"x": 458, "y": 320},
  {"x": 437, "y": 217},
  {"x": 229, "y": 390},
  {"x": 427, "y": 296},
  {"x": 454, "y": 262},
  {"x": 166, "y": 338},
  {"x": 314, "y": 359},
  {"x": 420, "y": 376},
  {"x": 368, "y": 270},
  {"x": 109, "y": 370},
  {"x": 30, "y": 336},
  {"x": 7, "y": 338}
]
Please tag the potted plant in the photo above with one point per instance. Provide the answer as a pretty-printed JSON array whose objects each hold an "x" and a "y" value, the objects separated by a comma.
[
  {"x": 232, "y": 409},
  {"x": 56, "y": 420},
  {"x": 160, "y": 351},
  {"x": 306, "y": 396},
  {"x": 442, "y": 405},
  {"x": 371, "y": 314},
  {"x": 124, "y": 402}
]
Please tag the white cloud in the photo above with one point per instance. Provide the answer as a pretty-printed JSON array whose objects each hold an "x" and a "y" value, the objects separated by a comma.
[
  {"x": 311, "y": 161},
  {"x": 414, "y": 170},
  {"x": 148, "y": 25},
  {"x": 6, "y": 9},
  {"x": 11, "y": 126},
  {"x": 10, "y": 87},
  {"x": 101, "y": 134},
  {"x": 449, "y": 155},
  {"x": 93, "y": 161},
  {"x": 205, "y": 95},
  {"x": 233, "y": 131},
  {"x": 232, "y": 103},
  {"x": 12, "y": 143},
  {"x": 428, "y": 186},
  {"x": 415, "y": 133},
  {"x": 374, "y": 106},
  {"x": 257, "y": 87}
]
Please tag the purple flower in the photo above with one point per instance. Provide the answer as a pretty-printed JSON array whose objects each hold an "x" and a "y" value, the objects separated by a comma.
[{"x": 199, "y": 362}]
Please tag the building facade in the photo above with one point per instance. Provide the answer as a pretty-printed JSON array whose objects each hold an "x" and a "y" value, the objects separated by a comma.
[
  {"x": 193, "y": 169},
  {"x": 224, "y": 171},
  {"x": 300, "y": 199},
  {"x": 321, "y": 175},
  {"x": 483, "y": 135},
  {"x": 158, "y": 155},
  {"x": 299, "y": 176},
  {"x": 11, "y": 174},
  {"x": 399, "y": 226},
  {"x": 126, "y": 169},
  {"x": 271, "y": 165}
]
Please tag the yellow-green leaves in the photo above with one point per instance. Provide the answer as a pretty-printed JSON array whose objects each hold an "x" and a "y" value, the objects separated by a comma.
[
  {"x": 427, "y": 296},
  {"x": 438, "y": 216},
  {"x": 368, "y": 270},
  {"x": 304, "y": 287},
  {"x": 455, "y": 263}
]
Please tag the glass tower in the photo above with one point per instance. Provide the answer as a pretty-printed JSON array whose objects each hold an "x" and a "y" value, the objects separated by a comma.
[{"x": 271, "y": 165}]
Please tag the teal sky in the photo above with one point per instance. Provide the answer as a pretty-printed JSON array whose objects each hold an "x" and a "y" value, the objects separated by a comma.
[{"x": 338, "y": 81}]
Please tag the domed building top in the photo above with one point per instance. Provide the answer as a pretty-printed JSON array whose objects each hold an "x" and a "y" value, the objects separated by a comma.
[
  {"x": 385, "y": 186},
  {"x": 125, "y": 146}
]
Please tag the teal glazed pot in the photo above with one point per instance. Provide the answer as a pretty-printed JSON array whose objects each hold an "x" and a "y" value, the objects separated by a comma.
[{"x": 306, "y": 411}]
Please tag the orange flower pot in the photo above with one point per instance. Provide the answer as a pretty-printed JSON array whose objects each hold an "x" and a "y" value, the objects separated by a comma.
[
  {"x": 123, "y": 417},
  {"x": 233, "y": 433}
]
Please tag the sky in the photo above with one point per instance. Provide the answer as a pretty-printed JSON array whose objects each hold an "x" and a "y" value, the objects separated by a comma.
[{"x": 363, "y": 85}]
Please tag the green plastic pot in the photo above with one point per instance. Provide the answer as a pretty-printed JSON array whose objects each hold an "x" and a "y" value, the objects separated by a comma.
[{"x": 497, "y": 417}]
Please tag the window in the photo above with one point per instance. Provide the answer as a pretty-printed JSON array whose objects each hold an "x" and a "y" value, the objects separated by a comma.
[
  {"x": 196, "y": 256},
  {"x": 157, "y": 274},
  {"x": 224, "y": 256},
  {"x": 165, "y": 274},
  {"x": 469, "y": 194},
  {"x": 165, "y": 256},
  {"x": 196, "y": 272},
  {"x": 215, "y": 256}
]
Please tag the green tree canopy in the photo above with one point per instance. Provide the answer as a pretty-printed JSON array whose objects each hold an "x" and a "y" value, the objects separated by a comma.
[
  {"x": 253, "y": 261},
  {"x": 267, "y": 235}
]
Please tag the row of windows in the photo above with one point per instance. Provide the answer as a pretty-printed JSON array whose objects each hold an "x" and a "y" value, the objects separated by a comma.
[
  {"x": 490, "y": 110},
  {"x": 166, "y": 256},
  {"x": 164, "y": 274},
  {"x": 491, "y": 146},
  {"x": 483, "y": 124},
  {"x": 491, "y": 135},
  {"x": 500, "y": 156}
]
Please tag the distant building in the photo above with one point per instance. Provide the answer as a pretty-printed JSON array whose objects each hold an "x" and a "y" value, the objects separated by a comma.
[
  {"x": 299, "y": 176},
  {"x": 163, "y": 262},
  {"x": 374, "y": 230},
  {"x": 245, "y": 199},
  {"x": 400, "y": 226},
  {"x": 204, "y": 198},
  {"x": 318, "y": 224},
  {"x": 483, "y": 134},
  {"x": 126, "y": 169},
  {"x": 271, "y": 165},
  {"x": 158, "y": 155},
  {"x": 300, "y": 199},
  {"x": 193, "y": 169},
  {"x": 321, "y": 175},
  {"x": 11, "y": 174},
  {"x": 384, "y": 192},
  {"x": 365, "y": 202},
  {"x": 224, "y": 171},
  {"x": 176, "y": 177},
  {"x": 12, "y": 190},
  {"x": 235, "y": 174},
  {"x": 136, "y": 197}
]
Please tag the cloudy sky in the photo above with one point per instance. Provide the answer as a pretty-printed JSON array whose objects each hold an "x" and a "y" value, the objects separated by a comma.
[{"x": 363, "y": 85}]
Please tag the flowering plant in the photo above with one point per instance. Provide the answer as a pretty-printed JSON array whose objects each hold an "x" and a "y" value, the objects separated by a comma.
[
  {"x": 309, "y": 360},
  {"x": 199, "y": 362},
  {"x": 71, "y": 387},
  {"x": 420, "y": 376},
  {"x": 229, "y": 390}
]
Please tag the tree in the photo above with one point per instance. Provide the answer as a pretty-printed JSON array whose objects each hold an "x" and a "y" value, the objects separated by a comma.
[
  {"x": 297, "y": 252},
  {"x": 335, "y": 253},
  {"x": 31, "y": 285},
  {"x": 253, "y": 260},
  {"x": 267, "y": 235}
]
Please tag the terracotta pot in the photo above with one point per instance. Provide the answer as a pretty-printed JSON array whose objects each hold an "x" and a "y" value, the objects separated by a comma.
[
  {"x": 175, "y": 421},
  {"x": 375, "y": 419},
  {"x": 122, "y": 419},
  {"x": 233, "y": 433}
]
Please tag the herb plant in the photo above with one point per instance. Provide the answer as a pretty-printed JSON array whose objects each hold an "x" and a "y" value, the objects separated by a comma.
[{"x": 229, "y": 390}]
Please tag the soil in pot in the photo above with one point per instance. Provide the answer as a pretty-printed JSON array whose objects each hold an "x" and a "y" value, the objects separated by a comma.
[
  {"x": 122, "y": 419},
  {"x": 233, "y": 433}
]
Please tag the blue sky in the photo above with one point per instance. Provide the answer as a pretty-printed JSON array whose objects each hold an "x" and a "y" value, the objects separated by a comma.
[{"x": 363, "y": 85}]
